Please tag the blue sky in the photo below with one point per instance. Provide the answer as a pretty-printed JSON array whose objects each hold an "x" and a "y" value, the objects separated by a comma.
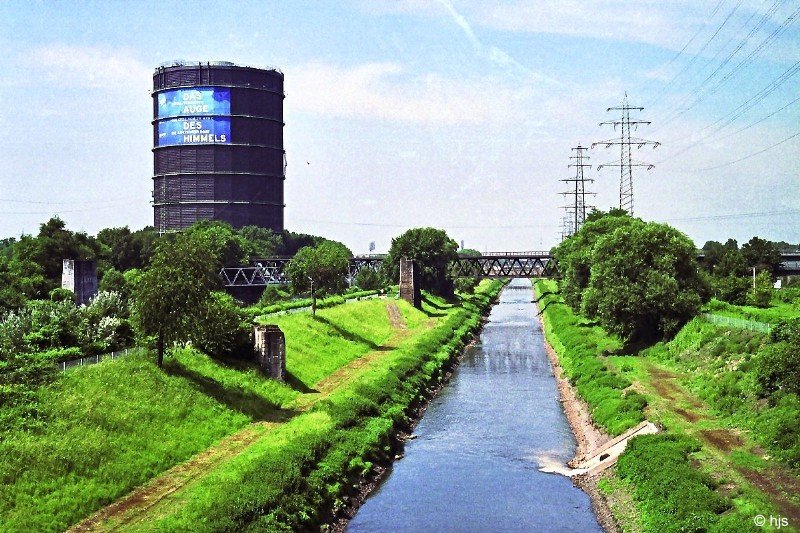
[{"x": 459, "y": 115}]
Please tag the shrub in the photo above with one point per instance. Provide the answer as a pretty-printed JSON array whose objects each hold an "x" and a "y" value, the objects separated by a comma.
[
  {"x": 272, "y": 294},
  {"x": 672, "y": 493},
  {"x": 731, "y": 289},
  {"x": 368, "y": 279},
  {"x": 761, "y": 294}
]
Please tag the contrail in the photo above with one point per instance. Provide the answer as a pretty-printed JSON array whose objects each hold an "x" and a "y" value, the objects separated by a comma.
[{"x": 491, "y": 53}]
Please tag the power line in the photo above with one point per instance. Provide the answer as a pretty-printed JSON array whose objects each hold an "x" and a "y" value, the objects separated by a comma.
[
  {"x": 740, "y": 130},
  {"x": 59, "y": 211},
  {"x": 787, "y": 139},
  {"x": 673, "y": 109},
  {"x": 74, "y": 202},
  {"x": 695, "y": 56},
  {"x": 381, "y": 225},
  {"x": 699, "y": 96},
  {"x": 754, "y": 154},
  {"x": 757, "y": 214}
]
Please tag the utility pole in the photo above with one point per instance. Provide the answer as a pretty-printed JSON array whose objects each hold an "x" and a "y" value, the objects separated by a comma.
[
  {"x": 625, "y": 141},
  {"x": 578, "y": 208}
]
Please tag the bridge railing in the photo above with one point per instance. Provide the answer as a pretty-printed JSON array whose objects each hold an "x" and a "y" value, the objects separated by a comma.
[{"x": 531, "y": 264}]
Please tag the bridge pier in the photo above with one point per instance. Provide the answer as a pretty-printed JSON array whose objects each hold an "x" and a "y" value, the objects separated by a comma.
[
  {"x": 270, "y": 350},
  {"x": 410, "y": 282}
]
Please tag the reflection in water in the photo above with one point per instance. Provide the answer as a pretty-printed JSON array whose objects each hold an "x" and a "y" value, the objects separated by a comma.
[{"x": 475, "y": 465}]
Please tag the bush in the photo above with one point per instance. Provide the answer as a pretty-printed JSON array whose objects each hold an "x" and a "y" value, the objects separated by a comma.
[
  {"x": 272, "y": 294},
  {"x": 779, "y": 428},
  {"x": 60, "y": 294},
  {"x": 368, "y": 279},
  {"x": 761, "y": 295},
  {"x": 731, "y": 289},
  {"x": 672, "y": 493},
  {"x": 223, "y": 328},
  {"x": 466, "y": 285}
]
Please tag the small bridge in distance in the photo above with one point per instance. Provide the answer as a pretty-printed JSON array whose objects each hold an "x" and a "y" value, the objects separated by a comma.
[
  {"x": 270, "y": 271},
  {"x": 536, "y": 264}
]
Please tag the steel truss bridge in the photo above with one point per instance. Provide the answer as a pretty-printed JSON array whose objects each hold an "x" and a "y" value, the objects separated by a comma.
[{"x": 270, "y": 271}]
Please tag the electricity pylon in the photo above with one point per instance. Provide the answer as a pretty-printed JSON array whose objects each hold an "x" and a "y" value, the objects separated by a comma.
[
  {"x": 625, "y": 141},
  {"x": 578, "y": 208}
]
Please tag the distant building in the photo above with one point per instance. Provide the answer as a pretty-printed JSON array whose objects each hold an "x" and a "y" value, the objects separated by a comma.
[{"x": 217, "y": 145}]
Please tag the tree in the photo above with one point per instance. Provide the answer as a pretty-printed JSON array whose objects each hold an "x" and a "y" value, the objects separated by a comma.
[
  {"x": 228, "y": 247},
  {"x": 778, "y": 362},
  {"x": 167, "y": 297},
  {"x": 761, "y": 293},
  {"x": 52, "y": 245},
  {"x": 432, "y": 250},
  {"x": 368, "y": 279},
  {"x": 574, "y": 255},
  {"x": 761, "y": 254},
  {"x": 261, "y": 242},
  {"x": 114, "y": 281},
  {"x": 125, "y": 249},
  {"x": 644, "y": 282},
  {"x": 731, "y": 289},
  {"x": 321, "y": 268},
  {"x": 225, "y": 328}
]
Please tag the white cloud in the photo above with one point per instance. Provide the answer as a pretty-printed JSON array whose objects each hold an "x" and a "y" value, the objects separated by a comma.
[
  {"x": 386, "y": 91},
  {"x": 90, "y": 67}
]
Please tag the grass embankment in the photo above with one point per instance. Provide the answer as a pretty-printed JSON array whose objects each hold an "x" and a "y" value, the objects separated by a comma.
[
  {"x": 309, "y": 468},
  {"x": 108, "y": 428},
  {"x": 776, "y": 312},
  {"x": 579, "y": 344},
  {"x": 706, "y": 471},
  {"x": 322, "y": 303}
]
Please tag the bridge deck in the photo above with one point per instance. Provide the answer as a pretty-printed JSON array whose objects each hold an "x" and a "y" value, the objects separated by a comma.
[{"x": 536, "y": 264}]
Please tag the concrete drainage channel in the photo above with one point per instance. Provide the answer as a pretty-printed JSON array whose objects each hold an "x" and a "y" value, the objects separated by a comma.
[{"x": 606, "y": 455}]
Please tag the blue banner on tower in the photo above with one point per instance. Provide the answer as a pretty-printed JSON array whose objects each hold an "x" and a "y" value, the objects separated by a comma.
[
  {"x": 198, "y": 101},
  {"x": 194, "y": 130}
]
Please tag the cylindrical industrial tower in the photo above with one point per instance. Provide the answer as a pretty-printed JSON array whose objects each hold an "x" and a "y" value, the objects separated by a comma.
[{"x": 217, "y": 145}]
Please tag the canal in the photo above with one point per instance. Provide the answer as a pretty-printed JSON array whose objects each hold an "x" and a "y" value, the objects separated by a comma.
[{"x": 474, "y": 465}]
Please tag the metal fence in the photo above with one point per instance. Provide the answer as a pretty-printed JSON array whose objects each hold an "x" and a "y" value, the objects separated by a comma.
[
  {"x": 740, "y": 323},
  {"x": 94, "y": 359}
]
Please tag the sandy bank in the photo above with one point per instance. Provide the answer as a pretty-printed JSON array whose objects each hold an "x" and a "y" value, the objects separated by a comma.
[{"x": 588, "y": 437}]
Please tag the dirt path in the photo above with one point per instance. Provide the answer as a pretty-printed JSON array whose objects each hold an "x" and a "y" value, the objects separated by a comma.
[
  {"x": 776, "y": 482},
  {"x": 130, "y": 508},
  {"x": 356, "y": 367},
  {"x": 165, "y": 489}
]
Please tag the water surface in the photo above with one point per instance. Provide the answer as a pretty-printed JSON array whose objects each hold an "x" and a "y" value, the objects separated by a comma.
[{"x": 475, "y": 463}]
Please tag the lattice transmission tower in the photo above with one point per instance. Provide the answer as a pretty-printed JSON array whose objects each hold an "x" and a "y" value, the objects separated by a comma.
[
  {"x": 576, "y": 213},
  {"x": 625, "y": 142}
]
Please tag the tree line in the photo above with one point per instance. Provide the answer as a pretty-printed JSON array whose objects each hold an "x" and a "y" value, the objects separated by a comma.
[{"x": 641, "y": 280}]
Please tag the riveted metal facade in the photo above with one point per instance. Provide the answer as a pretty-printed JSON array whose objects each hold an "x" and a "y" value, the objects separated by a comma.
[{"x": 235, "y": 171}]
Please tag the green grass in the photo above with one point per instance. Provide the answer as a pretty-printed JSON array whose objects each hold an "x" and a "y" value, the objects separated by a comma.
[
  {"x": 315, "y": 347},
  {"x": 110, "y": 427},
  {"x": 580, "y": 345},
  {"x": 671, "y": 493},
  {"x": 322, "y": 303},
  {"x": 777, "y": 311},
  {"x": 306, "y": 469}
]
